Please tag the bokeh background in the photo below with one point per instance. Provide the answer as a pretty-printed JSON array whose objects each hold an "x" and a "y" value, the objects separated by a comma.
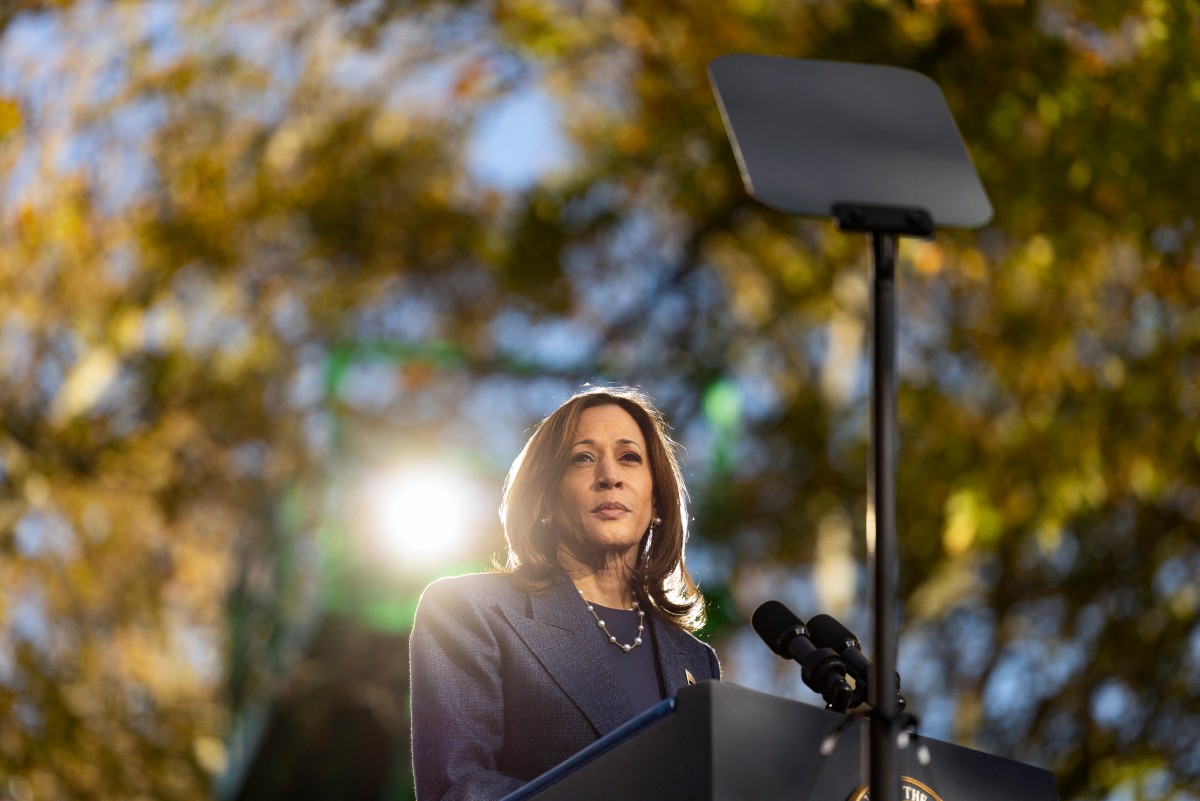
[{"x": 285, "y": 285}]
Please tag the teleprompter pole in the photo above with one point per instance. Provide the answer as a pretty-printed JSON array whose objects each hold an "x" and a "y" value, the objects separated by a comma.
[{"x": 881, "y": 519}]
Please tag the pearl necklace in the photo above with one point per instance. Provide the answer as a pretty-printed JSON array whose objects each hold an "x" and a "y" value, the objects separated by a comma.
[{"x": 600, "y": 624}]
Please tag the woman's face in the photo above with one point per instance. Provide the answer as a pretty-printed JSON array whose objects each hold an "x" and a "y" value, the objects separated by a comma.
[{"x": 606, "y": 494}]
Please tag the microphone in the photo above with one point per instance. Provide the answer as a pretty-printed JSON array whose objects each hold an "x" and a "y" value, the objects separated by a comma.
[
  {"x": 827, "y": 632},
  {"x": 821, "y": 668}
]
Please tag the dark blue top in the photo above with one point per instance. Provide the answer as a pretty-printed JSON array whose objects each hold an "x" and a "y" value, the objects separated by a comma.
[{"x": 636, "y": 670}]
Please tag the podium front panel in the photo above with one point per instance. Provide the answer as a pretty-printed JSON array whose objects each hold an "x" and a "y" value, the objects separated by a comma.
[{"x": 721, "y": 742}]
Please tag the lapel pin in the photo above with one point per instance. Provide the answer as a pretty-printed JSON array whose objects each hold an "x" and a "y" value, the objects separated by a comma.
[{"x": 688, "y": 675}]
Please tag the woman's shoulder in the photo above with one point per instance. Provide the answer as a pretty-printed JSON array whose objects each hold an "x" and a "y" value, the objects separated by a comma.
[
  {"x": 694, "y": 643},
  {"x": 688, "y": 643},
  {"x": 472, "y": 589},
  {"x": 703, "y": 650}
]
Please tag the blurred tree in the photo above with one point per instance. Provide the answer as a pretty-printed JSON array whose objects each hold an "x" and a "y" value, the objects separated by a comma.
[{"x": 246, "y": 246}]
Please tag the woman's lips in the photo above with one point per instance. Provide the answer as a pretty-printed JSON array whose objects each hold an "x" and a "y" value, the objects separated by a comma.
[{"x": 610, "y": 509}]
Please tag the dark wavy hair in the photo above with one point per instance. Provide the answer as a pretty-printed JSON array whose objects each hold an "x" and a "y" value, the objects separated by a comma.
[{"x": 533, "y": 480}]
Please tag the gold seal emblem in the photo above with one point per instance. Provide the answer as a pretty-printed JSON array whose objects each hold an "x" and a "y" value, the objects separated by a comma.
[{"x": 910, "y": 789}]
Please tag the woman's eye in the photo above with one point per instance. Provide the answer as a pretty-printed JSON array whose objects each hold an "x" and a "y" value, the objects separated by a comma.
[
  {"x": 631, "y": 457},
  {"x": 582, "y": 456}
]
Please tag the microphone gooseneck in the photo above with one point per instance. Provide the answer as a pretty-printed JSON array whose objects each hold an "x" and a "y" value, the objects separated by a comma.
[
  {"x": 820, "y": 667},
  {"x": 826, "y": 632}
]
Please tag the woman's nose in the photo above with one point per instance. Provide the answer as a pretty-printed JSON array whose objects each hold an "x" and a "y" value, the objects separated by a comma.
[{"x": 606, "y": 474}]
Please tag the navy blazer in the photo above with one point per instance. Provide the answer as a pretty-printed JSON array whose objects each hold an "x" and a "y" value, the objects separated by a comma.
[{"x": 507, "y": 683}]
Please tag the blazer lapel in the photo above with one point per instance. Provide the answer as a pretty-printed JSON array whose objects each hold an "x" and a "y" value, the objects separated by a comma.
[
  {"x": 673, "y": 657},
  {"x": 563, "y": 636}
]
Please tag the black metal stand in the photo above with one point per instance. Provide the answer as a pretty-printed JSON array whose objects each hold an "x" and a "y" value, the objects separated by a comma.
[
  {"x": 881, "y": 484},
  {"x": 885, "y": 226},
  {"x": 881, "y": 518}
]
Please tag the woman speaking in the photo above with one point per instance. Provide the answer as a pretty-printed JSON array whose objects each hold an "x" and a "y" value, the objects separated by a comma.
[{"x": 587, "y": 623}]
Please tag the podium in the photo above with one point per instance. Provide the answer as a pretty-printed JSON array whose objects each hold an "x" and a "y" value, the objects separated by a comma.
[{"x": 720, "y": 742}]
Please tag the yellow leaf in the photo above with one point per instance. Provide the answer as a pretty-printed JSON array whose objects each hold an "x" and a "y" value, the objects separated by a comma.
[
  {"x": 85, "y": 385},
  {"x": 10, "y": 117}
]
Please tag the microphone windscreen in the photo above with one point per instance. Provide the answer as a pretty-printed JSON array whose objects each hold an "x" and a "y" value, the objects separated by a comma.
[
  {"x": 771, "y": 621},
  {"x": 826, "y": 632}
]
